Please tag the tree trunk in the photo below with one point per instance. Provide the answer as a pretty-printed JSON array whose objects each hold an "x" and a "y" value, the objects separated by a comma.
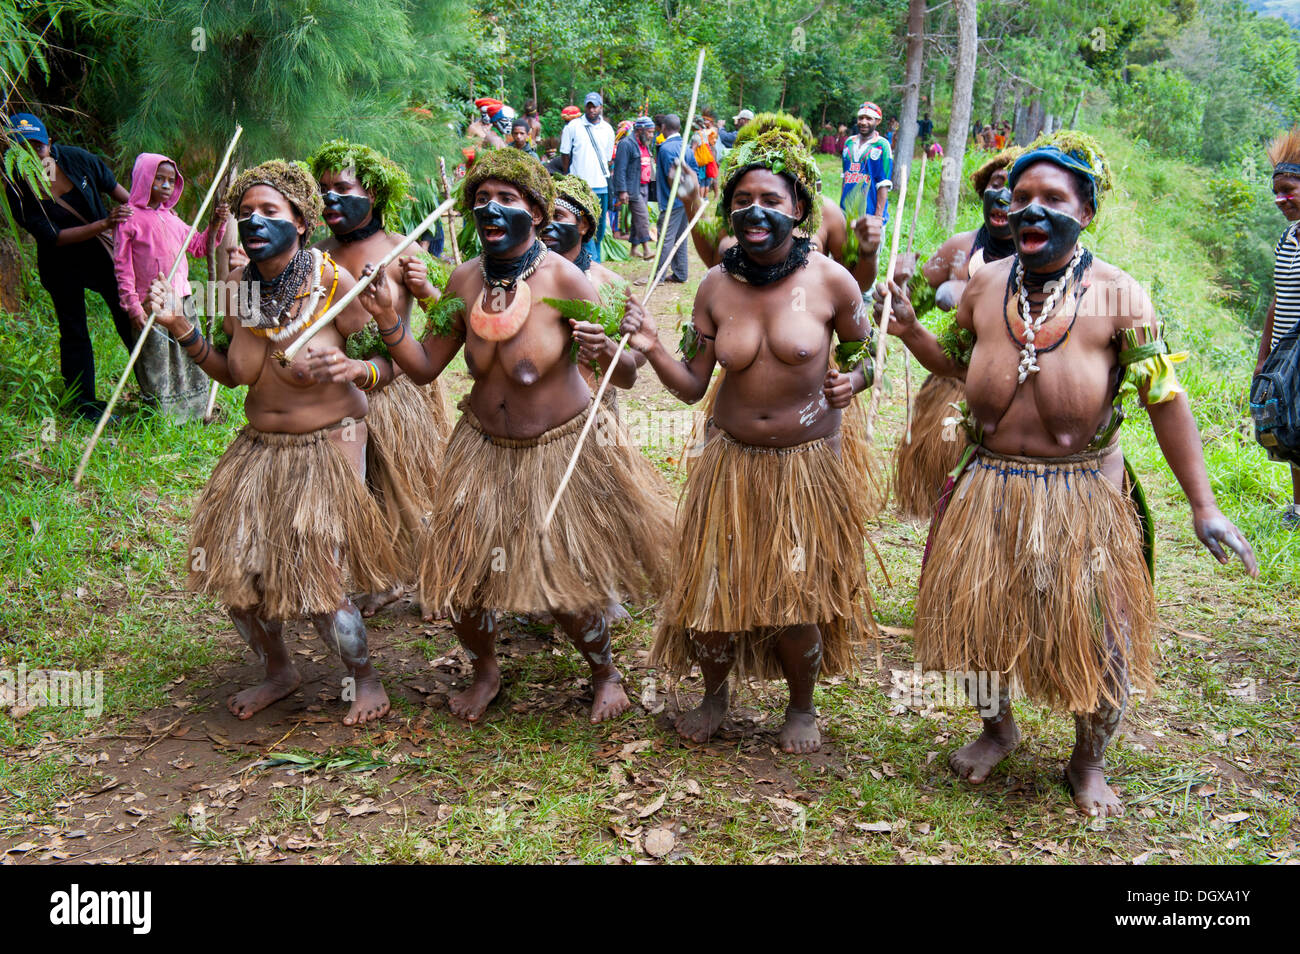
[
  {"x": 785, "y": 80},
  {"x": 905, "y": 141},
  {"x": 962, "y": 90},
  {"x": 11, "y": 262},
  {"x": 532, "y": 72},
  {"x": 999, "y": 99},
  {"x": 1074, "y": 117}
]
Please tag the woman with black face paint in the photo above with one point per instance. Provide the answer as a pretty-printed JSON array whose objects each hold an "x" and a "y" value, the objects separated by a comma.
[
  {"x": 936, "y": 448},
  {"x": 408, "y": 424},
  {"x": 285, "y": 523},
  {"x": 489, "y": 550},
  {"x": 1038, "y": 570},
  {"x": 576, "y": 210},
  {"x": 770, "y": 576}
]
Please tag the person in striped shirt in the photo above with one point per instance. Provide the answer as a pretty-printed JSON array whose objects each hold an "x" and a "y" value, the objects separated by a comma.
[{"x": 1284, "y": 309}]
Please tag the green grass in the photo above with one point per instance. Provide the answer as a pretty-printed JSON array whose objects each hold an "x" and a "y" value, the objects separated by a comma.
[{"x": 93, "y": 579}]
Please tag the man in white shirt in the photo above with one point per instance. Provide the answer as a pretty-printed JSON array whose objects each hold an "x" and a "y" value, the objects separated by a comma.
[{"x": 586, "y": 148}]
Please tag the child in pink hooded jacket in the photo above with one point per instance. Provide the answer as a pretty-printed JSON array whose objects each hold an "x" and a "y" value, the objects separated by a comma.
[{"x": 145, "y": 246}]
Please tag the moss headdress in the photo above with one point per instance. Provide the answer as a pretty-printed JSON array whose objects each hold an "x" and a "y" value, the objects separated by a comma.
[
  {"x": 1074, "y": 151},
  {"x": 979, "y": 179},
  {"x": 764, "y": 122},
  {"x": 291, "y": 180},
  {"x": 577, "y": 193},
  {"x": 516, "y": 167},
  {"x": 376, "y": 173},
  {"x": 779, "y": 151}
]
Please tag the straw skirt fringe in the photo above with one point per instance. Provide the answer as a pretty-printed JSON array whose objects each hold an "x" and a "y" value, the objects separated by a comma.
[
  {"x": 409, "y": 426},
  {"x": 1029, "y": 561},
  {"x": 921, "y": 466},
  {"x": 486, "y": 545},
  {"x": 284, "y": 525},
  {"x": 766, "y": 538}
]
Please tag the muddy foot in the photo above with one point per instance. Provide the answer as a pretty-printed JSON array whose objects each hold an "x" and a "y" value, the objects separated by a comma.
[
  {"x": 372, "y": 603},
  {"x": 699, "y": 724},
  {"x": 799, "y": 735},
  {"x": 246, "y": 704},
  {"x": 1092, "y": 795},
  {"x": 974, "y": 761},
  {"x": 610, "y": 701},
  {"x": 473, "y": 702},
  {"x": 371, "y": 702}
]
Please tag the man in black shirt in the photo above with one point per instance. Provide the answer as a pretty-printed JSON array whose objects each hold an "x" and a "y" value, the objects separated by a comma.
[{"x": 73, "y": 232}]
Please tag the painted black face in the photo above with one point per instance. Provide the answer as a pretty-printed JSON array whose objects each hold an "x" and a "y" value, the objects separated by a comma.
[
  {"x": 515, "y": 224},
  {"x": 269, "y": 237},
  {"x": 1049, "y": 233},
  {"x": 996, "y": 203},
  {"x": 776, "y": 223},
  {"x": 353, "y": 208},
  {"x": 562, "y": 237}
]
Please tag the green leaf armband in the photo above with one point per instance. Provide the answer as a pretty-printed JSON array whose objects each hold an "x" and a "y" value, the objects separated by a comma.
[
  {"x": 957, "y": 343},
  {"x": 850, "y": 354},
  {"x": 440, "y": 320},
  {"x": 689, "y": 343},
  {"x": 1144, "y": 355},
  {"x": 921, "y": 293},
  {"x": 220, "y": 340}
]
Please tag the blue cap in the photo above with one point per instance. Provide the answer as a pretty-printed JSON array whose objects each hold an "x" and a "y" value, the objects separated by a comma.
[
  {"x": 29, "y": 127},
  {"x": 644, "y": 122},
  {"x": 593, "y": 98}
]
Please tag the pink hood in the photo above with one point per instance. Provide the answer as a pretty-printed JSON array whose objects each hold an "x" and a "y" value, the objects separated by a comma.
[
  {"x": 146, "y": 167},
  {"x": 147, "y": 242}
]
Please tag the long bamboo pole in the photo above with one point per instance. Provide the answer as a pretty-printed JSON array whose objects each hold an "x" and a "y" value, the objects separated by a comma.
[
  {"x": 663, "y": 266},
  {"x": 911, "y": 237},
  {"x": 148, "y": 325},
  {"x": 879, "y": 370},
  {"x": 286, "y": 356}
]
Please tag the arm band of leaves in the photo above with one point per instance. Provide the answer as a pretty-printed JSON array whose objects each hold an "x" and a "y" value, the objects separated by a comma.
[
  {"x": 957, "y": 343},
  {"x": 689, "y": 344},
  {"x": 920, "y": 292},
  {"x": 1144, "y": 356},
  {"x": 608, "y": 313},
  {"x": 440, "y": 320},
  {"x": 220, "y": 340}
]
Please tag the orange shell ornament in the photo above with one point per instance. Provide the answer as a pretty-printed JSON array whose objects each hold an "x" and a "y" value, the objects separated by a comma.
[{"x": 501, "y": 325}]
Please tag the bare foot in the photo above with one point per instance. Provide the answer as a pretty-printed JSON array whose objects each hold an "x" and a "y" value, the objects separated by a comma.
[
  {"x": 610, "y": 700},
  {"x": 371, "y": 702},
  {"x": 1091, "y": 793},
  {"x": 700, "y": 723},
  {"x": 799, "y": 735},
  {"x": 473, "y": 702},
  {"x": 372, "y": 603},
  {"x": 244, "y": 705},
  {"x": 974, "y": 761}
]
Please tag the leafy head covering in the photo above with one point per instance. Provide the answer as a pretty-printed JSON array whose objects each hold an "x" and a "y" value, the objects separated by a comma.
[
  {"x": 765, "y": 122},
  {"x": 515, "y": 167},
  {"x": 781, "y": 152},
  {"x": 575, "y": 193},
  {"x": 979, "y": 179},
  {"x": 378, "y": 174},
  {"x": 1073, "y": 151},
  {"x": 291, "y": 180}
]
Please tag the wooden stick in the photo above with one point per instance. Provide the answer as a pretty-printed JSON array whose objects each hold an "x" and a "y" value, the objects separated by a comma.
[
  {"x": 451, "y": 218},
  {"x": 879, "y": 370},
  {"x": 604, "y": 378},
  {"x": 212, "y": 323},
  {"x": 286, "y": 356},
  {"x": 911, "y": 237},
  {"x": 622, "y": 342},
  {"x": 148, "y": 325}
]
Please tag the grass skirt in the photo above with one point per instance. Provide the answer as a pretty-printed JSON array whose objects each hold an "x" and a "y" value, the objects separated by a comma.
[
  {"x": 921, "y": 466},
  {"x": 284, "y": 524},
  {"x": 486, "y": 545},
  {"x": 857, "y": 451},
  {"x": 766, "y": 537},
  {"x": 1027, "y": 558},
  {"x": 409, "y": 426}
]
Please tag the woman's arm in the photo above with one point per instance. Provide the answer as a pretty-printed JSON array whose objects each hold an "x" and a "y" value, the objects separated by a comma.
[
  {"x": 167, "y": 312},
  {"x": 687, "y": 379}
]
